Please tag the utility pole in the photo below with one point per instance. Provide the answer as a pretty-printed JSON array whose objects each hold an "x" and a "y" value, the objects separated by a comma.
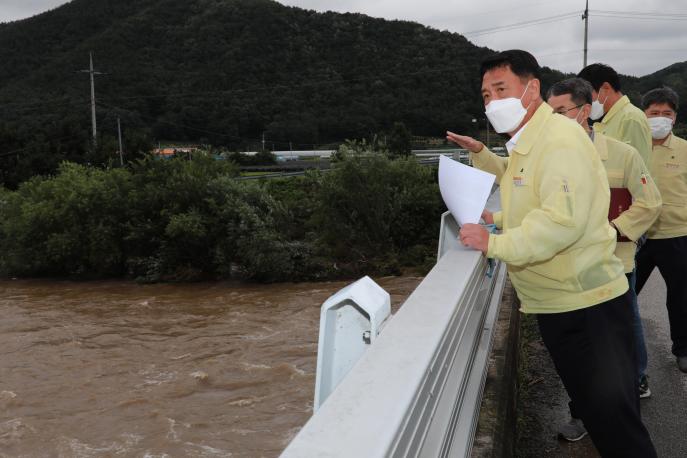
[
  {"x": 263, "y": 142},
  {"x": 92, "y": 73},
  {"x": 121, "y": 152},
  {"x": 585, "y": 16}
]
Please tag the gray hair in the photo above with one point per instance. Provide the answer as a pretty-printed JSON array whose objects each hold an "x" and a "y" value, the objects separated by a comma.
[
  {"x": 659, "y": 96},
  {"x": 580, "y": 90}
]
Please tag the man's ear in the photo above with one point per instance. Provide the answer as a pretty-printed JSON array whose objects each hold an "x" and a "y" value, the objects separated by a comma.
[
  {"x": 536, "y": 88},
  {"x": 533, "y": 90}
]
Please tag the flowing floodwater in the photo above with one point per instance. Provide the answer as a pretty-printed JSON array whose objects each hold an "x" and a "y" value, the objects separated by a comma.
[{"x": 110, "y": 369}]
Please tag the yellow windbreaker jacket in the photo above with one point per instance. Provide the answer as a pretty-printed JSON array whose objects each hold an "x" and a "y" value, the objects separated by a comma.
[
  {"x": 626, "y": 169},
  {"x": 627, "y": 123},
  {"x": 668, "y": 167},
  {"x": 556, "y": 238}
]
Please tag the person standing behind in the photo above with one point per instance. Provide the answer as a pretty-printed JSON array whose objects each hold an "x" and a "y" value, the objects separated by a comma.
[
  {"x": 621, "y": 120},
  {"x": 559, "y": 246},
  {"x": 625, "y": 171},
  {"x": 666, "y": 247},
  {"x": 628, "y": 177}
]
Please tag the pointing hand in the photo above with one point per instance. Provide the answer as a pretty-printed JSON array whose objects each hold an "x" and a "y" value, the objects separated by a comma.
[{"x": 469, "y": 143}]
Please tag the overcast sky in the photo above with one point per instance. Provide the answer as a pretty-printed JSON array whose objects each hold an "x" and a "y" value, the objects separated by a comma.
[{"x": 634, "y": 44}]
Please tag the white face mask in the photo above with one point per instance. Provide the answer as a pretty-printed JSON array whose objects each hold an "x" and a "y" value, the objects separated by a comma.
[
  {"x": 597, "y": 108},
  {"x": 660, "y": 127},
  {"x": 505, "y": 115}
]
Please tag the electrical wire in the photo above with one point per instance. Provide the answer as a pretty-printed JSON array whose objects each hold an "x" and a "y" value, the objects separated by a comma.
[
  {"x": 520, "y": 25},
  {"x": 51, "y": 140},
  {"x": 636, "y": 15},
  {"x": 197, "y": 129},
  {"x": 640, "y": 13}
]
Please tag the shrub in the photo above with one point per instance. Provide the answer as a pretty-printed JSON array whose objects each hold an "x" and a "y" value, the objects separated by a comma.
[
  {"x": 372, "y": 209},
  {"x": 185, "y": 220},
  {"x": 70, "y": 224}
]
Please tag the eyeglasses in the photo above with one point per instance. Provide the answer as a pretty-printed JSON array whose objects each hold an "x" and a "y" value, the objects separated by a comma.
[{"x": 569, "y": 109}]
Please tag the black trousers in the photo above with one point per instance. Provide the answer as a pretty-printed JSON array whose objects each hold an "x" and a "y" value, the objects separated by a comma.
[
  {"x": 593, "y": 350},
  {"x": 670, "y": 256}
]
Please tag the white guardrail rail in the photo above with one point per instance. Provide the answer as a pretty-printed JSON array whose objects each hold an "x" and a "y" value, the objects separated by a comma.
[{"x": 416, "y": 392}]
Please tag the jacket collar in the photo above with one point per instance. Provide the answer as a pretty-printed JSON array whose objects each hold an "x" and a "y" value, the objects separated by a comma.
[
  {"x": 668, "y": 142},
  {"x": 616, "y": 108},
  {"x": 533, "y": 128}
]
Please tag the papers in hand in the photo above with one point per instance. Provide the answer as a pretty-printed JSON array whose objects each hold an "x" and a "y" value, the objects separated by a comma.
[{"x": 465, "y": 190}]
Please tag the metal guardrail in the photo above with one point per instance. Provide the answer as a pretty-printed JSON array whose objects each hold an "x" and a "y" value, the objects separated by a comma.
[
  {"x": 429, "y": 158},
  {"x": 278, "y": 175},
  {"x": 416, "y": 392},
  {"x": 427, "y": 162}
]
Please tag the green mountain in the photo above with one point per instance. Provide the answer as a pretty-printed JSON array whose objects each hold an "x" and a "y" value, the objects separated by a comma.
[
  {"x": 674, "y": 76},
  {"x": 227, "y": 73}
]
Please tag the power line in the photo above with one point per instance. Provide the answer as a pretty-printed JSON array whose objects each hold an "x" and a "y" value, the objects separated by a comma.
[
  {"x": 640, "y": 13},
  {"x": 39, "y": 103},
  {"x": 609, "y": 50},
  {"x": 260, "y": 88},
  {"x": 197, "y": 129},
  {"x": 51, "y": 140},
  {"x": 642, "y": 17},
  {"x": 520, "y": 25},
  {"x": 637, "y": 18},
  {"x": 322, "y": 82},
  {"x": 274, "y": 87}
]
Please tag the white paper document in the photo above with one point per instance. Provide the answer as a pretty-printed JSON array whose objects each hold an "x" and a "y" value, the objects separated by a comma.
[{"x": 465, "y": 189}]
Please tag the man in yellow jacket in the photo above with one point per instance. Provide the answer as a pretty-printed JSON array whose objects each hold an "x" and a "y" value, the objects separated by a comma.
[
  {"x": 621, "y": 120},
  {"x": 666, "y": 247},
  {"x": 559, "y": 246},
  {"x": 637, "y": 201}
]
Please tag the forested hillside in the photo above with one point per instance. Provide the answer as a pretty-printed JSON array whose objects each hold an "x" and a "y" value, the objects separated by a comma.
[{"x": 225, "y": 73}]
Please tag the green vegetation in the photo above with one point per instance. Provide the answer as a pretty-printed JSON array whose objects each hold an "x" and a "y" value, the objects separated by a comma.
[
  {"x": 231, "y": 75},
  {"x": 178, "y": 220},
  {"x": 261, "y": 158}
]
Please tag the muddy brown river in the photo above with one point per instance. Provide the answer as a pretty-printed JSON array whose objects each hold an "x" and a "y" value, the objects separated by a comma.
[{"x": 117, "y": 369}]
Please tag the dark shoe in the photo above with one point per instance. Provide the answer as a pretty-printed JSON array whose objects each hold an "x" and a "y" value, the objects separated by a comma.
[
  {"x": 644, "y": 391},
  {"x": 573, "y": 430},
  {"x": 682, "y": 363}
]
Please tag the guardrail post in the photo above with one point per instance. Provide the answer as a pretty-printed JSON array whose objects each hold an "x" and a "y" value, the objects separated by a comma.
[{"x": 350, "y": 321}]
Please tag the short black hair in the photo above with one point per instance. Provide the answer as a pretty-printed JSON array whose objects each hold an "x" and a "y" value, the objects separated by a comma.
[
  {"x": 579, "y": 89},
  {"x": 520, "y": 62},
  {"x": 598, "y": 74},
  {"x": 661, "y": 95}
]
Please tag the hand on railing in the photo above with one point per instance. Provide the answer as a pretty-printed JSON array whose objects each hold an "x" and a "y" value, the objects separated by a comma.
[
  {"x": 488, "y": 217},
  {"x": 475, "y": 236}
]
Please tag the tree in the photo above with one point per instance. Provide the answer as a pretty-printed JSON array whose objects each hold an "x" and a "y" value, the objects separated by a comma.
[{"x": 400, "y": 140}]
